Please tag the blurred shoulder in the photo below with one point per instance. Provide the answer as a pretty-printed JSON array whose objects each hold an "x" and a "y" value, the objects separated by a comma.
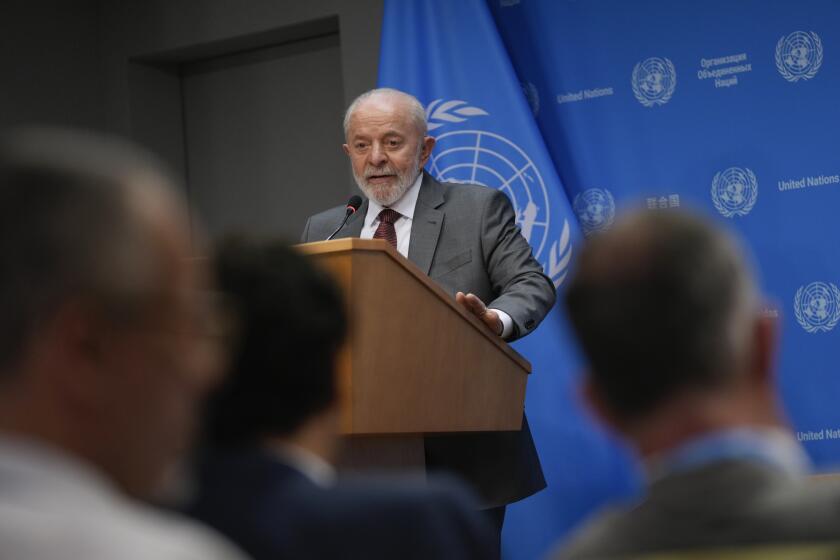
[
  {"x": 126, "y": 531},
  {"x": 601, "y": 537},
  {"x": 171, "y": 535},
  {"x": 391, "y": 493}
]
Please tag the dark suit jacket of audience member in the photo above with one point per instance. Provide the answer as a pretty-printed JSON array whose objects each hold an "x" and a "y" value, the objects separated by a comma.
[
  {"x": 274, "y": 512},
  {"x": 729, "y": 503}
]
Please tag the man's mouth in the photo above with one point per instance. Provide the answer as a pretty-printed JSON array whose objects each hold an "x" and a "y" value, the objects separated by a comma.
[{"x": 376, "y": 179}]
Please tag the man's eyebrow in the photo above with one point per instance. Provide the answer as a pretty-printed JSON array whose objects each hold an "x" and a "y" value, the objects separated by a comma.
[{"x": 387, "y": 133}]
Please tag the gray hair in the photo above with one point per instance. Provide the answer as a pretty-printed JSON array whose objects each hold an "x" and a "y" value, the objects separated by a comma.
[
  {"x": 68, "y": 228},
  {"x": 415, "y": 109}
]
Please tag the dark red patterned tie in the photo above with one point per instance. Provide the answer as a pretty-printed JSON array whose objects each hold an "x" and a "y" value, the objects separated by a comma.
[{"x": 386, "y": 229}]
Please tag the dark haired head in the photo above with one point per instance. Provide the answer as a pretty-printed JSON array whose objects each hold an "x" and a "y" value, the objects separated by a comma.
[
  {"x": 70, "y": 226},
  {"x": 291, "y": 324},
  {"x": 661, "y": 304},
  {"x": 102, "y": 353}
]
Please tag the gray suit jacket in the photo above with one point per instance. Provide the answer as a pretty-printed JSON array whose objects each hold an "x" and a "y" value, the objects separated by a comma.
[
  {"x": 725, "y": 504},
  {"x": 465, "y": 238}
]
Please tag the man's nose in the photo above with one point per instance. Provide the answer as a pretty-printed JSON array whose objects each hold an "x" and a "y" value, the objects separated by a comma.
[{"x": 378, "y": 157}]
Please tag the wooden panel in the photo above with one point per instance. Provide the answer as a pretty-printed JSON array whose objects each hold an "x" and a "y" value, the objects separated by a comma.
[
  {"x": 419, "y": 362},
  {"x": 340, "y": 267},
  {"x": 340, "y": 247}
]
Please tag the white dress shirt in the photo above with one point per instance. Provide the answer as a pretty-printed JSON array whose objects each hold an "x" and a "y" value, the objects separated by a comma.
[
  {"x": 405, "y": 206},
  {"x": 53, "y": 506}
]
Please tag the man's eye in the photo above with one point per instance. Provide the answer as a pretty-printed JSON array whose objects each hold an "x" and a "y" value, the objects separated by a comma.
[{"x": 361, "y": 146}]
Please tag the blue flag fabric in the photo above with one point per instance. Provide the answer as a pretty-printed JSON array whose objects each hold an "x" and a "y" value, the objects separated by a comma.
[
  {"x": 451, "y": 57},
  {"x": 728, "y": 108}
]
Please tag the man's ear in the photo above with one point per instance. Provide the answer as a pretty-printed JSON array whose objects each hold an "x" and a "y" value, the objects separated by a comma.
[
  {"x": 594, "y": 399},
  {"x": 75, "y": 354},
  {"x": 346, "y": 149},
  {"x": 428, "y": 146},
  {"x": 764, "y": 342}
]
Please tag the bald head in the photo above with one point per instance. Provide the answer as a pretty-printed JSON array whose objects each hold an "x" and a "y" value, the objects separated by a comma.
[{"x": 662, "y": 303}]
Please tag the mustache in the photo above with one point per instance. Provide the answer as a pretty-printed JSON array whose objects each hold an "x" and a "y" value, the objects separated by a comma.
[{"x": 387, "y": 170}]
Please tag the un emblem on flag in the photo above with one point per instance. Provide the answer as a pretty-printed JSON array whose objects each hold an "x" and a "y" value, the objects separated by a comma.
[
  {"x": 817, "y": 306},
  {"x": 799, "y": 56},
  {"x": 654, "y": 81},
  {"x": 484, "y": 158},
  {"x": 595, "y": 209},
  {"x": 734, "y": 191}
]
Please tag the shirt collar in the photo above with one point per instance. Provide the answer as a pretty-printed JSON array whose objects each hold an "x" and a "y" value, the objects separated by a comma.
[
  {"x": 405, "y": 205},
  {"x": 771, "y": 446},
  {"x": 310, "y": 465}
]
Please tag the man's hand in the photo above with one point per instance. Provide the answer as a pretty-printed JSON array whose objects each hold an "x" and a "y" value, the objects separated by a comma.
[{"x": 475, "y": 306}]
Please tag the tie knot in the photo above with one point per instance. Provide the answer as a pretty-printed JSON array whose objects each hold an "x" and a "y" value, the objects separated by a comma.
[{"x": 389, "y": 216}]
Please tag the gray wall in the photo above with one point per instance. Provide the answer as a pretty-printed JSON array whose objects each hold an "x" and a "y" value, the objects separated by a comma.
[
  {"x": 263, "y": 136},
  {"x": 194, "y": 80},
  {"x": 50, "y": 63}
]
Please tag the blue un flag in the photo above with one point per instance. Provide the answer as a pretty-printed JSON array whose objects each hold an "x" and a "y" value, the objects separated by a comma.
[{"x": 450, "y": 56}]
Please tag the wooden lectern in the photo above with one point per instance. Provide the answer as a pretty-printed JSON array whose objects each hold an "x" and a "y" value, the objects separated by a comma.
[{"x": 416, "y": 362}]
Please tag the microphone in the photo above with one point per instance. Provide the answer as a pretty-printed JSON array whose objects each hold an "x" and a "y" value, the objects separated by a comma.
[{"x": 352, "y": 205}]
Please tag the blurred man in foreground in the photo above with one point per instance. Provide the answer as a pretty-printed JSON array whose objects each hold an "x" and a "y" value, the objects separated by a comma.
[
  {"x": 266, "y": 480},
  {"x": 101, "y": 360},
  {"x": 681, "y": 365}
]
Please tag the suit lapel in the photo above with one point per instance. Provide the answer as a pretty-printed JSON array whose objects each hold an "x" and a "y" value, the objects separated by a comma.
[
  {"x": 355, "y": 223},
  {"x": 425, "y": 227}
]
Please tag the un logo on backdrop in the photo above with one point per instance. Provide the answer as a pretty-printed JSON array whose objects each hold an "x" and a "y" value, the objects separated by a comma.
[
  {"x": 817, "y": 306},
  {"x": 485, "y": 158},
  {"x": 595, "y": 209},
  {"x": 653, "y": 81},
  {"x": 734, "y": 191},
  {"x": 799, "y": 56}
]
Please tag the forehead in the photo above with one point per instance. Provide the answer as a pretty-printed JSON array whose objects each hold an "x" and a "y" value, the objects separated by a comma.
[
  {"x": 378, "y": 116},
  {"x": 163, "y": 221}
]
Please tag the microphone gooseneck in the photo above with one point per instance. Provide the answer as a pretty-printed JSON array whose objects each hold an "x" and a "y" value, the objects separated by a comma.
[{"x": 352, "y": 206}]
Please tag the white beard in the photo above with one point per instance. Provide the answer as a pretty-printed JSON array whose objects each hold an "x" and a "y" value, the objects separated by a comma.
[{"x": 386, "y": 195}]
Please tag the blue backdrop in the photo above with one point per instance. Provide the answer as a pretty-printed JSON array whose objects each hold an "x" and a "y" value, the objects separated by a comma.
[{"x": 579, "y": 110}]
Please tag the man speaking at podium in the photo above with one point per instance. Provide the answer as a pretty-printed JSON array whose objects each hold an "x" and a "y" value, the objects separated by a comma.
[{"x": 465, "y": 238}]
